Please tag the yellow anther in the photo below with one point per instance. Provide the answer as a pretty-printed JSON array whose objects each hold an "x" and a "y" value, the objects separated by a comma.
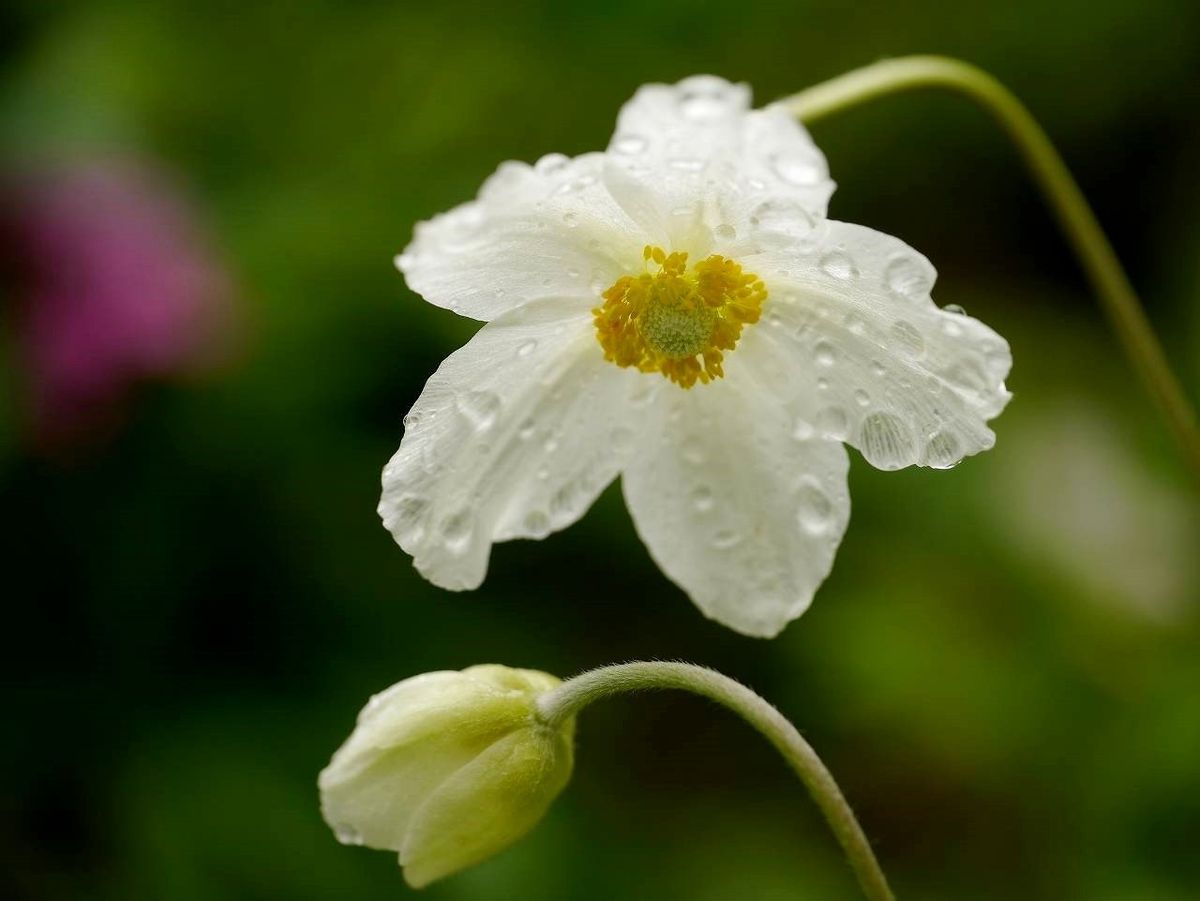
[{"x": 675, "y": 322}]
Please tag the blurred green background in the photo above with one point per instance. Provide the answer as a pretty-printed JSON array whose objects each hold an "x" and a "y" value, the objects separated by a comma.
[{"x": 1002, "y": 670}]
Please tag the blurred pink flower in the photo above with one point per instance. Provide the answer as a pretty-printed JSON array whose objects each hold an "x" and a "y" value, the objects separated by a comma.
[{"x": 117, "y": 283}]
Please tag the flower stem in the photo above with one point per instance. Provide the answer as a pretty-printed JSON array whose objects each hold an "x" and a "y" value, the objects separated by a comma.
[
  {"x": 1121, "y": 305},
  {"x": 573, "y": 695}
]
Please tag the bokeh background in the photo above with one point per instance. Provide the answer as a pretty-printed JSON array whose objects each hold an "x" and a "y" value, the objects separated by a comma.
[{"x": 206, "y": 356}]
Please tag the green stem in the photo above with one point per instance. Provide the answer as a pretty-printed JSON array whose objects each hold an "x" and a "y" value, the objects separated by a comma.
[
  {"x": 1075, "y": 216},
  {"x": 568, "y": 699}
]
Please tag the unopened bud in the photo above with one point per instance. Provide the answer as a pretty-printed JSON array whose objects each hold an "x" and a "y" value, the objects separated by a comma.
[{"x": 448, "y": 768}]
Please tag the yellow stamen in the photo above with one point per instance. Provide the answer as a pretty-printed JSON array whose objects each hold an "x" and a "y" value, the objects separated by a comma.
[{"x": 677, "y": 322}]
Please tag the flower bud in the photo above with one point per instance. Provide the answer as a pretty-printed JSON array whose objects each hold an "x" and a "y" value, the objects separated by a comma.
[{"x": 448, "y": 768}]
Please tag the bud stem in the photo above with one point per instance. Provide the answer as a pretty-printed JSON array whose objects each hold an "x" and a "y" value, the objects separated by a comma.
[
  {"x": 1075, "y": 217},
  {"x": 572, "y": 696}
]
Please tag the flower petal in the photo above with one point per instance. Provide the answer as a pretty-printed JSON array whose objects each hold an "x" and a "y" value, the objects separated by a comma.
[
  {"x": 513, "y": 437},
  {"x": 705, "y": 159},
  {"x": 736, "y": 511},
  {"x": 548, "y": 230},
  {"x": 869, "y": 358},
  {"x": 485, "y": 806}
]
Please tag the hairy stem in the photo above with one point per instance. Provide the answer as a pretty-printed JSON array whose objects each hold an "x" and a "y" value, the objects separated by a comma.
[
  {"x": 1121, "y": 305},
  {"x": 572, "y": 696}
]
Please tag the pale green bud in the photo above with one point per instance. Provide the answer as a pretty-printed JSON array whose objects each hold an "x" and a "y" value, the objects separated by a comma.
[{"x": 448, "y": 768}]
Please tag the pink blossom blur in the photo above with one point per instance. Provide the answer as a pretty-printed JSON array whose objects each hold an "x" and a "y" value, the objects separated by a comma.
[{"x": 115, "y": 283}]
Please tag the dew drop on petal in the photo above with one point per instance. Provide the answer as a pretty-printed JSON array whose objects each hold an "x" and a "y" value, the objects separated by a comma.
[
  {"x": 686, "y": 163},
  {"x": 832, "y": 423},
  {"x": 570, "y": 220},
  {"x": 693, "y": 451},
  {"x": 480, "y": 408},
  {"x": 907, "y": 340},
  {"x": 726, "y": 539},
  {"x": 815, "y": 510},
  {"x": 838, "y": 265},
  {"x": 526, "y": 429},
  {"x": 537, "y": 524},
  {"x": 629, "y": 145},
  {"x": 725, "y": 231},
  {"x": 551, "y": 163},
  {"x": 408, "y": 517},
  {"x": 702, "y": 498},
  {"x": 347, "y": 834},
  {"x": 781, "y": 217},
  {"x": 943, "y": 451},
  {"x": 456, "y": 531},
  {"x": 954, "y": 308},
  {"x": 824, "y": 353},
  {"x": 803, "y": 430},
  {"x": 861, "y": 397},
  {"x": 907, "y": 277},
  {"x": 622, "y": 439},
  {"x": 526, "y": 348},
  {"x": 794, "y": 170},
  {"x": 886, "y": 442}
]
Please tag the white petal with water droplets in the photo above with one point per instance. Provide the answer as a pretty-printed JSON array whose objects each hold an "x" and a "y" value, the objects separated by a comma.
[
  {"x": 693, "y": 158},
  {"x": 513, "y": 437},
  {"x": 856, "y": 338},
  {"x": 547, "y": 230},
  {"x": 735, "y": 508}
]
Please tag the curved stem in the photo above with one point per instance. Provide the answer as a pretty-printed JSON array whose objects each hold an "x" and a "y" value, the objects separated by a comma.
[
  {"x": 1075, "y": 216},
  {"x": 572, "y": 696}
]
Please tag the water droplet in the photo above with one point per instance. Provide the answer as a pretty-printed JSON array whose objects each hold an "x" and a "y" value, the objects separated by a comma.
[
  {"x": 550, "y": 443},
  {"x": 838, "y": 265},
  {"x": 832, "y": 423},
  {"x": 527, "y": 348},
  {"x": 537, "y": 524},
  {"x": 855, "y": 324},
  {"x": 702, "y": 498},
  {"x": 886, "y": 442},
  {"x": 629, "y": 145},
  {"x": 408, "y": 517},
  {"x": 803, "y": 430},
  {"x": 794, "y": 169},
  {"x": 347, "y": 834},
  {"x": 824, "y": 353},
  {"x": 814, "y": 509},
  {"x": 480, "y": 408},
  {"x": 551, "y": 163},
  {"x": 411, "y": 420},
  {"x": 726, "y": 539},
  {"x": 456, "y": 531},
  {"x": 562, "y": 505},
  {"x": 622, "y": 439},
  {"x": 878, "y": 369},
  {"x": 955, "y": 309},
  {"x": 967, "y": 373},
  {"x": 571, "y": 220},
  {"x": 686, "y": 164},
  {"x": 543, "y": 473},
  {"x": 725, "y": 231},
  {"x": 908, "y": 277},
  {"x": 907, "y": 339},
  {"x": 693, "y": 451},
  {"x": 861, "y": 397},
  {"x": 943, "y": 451},
  {"x": 822, "y": 384},
  {"x": 526, "y": 429},
  {"x": 951, "y": 328},
  {"x": 781, "y": 217}
]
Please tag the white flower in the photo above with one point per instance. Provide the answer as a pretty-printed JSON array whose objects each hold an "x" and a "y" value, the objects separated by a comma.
[
  {"x": 720, "y": 386},
  {"x": 448, "y": 768}
]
